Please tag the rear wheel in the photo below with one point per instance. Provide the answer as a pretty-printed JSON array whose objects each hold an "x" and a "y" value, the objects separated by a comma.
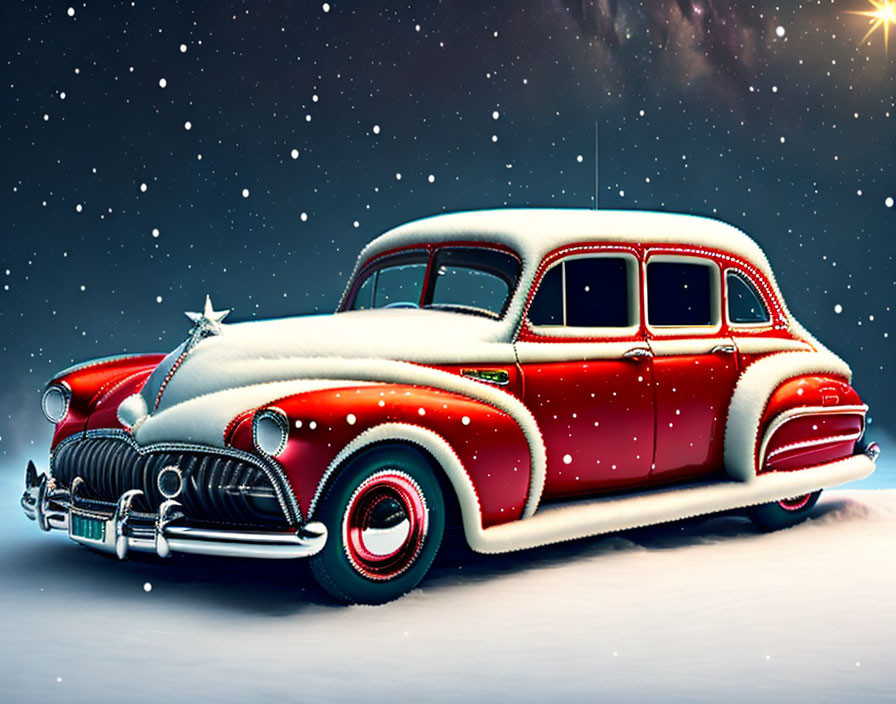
[
  {"x": 783, "y": 513},
  {"x": 385, "y": 517}
]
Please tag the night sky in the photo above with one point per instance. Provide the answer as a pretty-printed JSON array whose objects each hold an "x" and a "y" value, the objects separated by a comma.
[{"x": 156, "y": 152}]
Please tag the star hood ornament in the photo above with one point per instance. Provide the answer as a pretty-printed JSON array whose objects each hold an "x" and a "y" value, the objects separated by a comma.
[{"x": 205, "y": 324}]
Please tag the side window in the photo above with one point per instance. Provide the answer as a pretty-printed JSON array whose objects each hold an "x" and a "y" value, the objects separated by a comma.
[
  {"x": 597, "y": 290},
  {"x": 587, "y": 292},
  {"x": 547, "y": 305},
  {"x": 744, "y": 303},
  {"x": 681, "y": 293}
]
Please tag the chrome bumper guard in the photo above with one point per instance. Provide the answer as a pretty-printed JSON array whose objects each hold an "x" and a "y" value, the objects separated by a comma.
[{"x": 121, "y": 530}]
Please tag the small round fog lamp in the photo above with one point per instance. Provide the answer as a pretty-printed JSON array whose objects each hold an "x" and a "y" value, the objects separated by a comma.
[{"x": 170, "y": 482}]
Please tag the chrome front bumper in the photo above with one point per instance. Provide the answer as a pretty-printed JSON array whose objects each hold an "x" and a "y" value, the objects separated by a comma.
[{"x": 120, "y": 529}]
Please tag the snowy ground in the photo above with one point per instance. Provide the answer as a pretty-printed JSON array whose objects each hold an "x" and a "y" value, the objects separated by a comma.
[{"x": 702, "y": 611}]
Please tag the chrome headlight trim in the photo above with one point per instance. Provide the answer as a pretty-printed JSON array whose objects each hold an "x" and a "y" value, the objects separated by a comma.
[
  {"x": 56, "y": 401},
  {"x": 270, "y": 431}
]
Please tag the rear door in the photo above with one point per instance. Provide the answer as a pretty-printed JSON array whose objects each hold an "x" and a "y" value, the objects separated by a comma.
[{"x": 694, "y": 362}]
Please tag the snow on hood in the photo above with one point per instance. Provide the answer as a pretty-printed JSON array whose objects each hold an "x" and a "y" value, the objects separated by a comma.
[{"x": 252, "y": 363}]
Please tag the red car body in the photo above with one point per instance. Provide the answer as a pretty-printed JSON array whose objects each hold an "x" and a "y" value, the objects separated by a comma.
[{"x": 689, "y": 389}]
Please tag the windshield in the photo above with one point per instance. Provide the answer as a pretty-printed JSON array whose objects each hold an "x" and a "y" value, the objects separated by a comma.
[{"x": 473, "y": 280}]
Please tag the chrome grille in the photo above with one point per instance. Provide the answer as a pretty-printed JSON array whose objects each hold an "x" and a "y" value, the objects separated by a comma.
[{"x": 217, "y": 489}]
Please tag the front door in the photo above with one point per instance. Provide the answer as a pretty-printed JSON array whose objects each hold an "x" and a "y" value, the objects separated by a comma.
[{"x": 587, "y": 372}]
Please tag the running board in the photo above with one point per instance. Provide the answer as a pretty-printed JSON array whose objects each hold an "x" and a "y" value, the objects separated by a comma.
[{"x": 568, "y": 521}]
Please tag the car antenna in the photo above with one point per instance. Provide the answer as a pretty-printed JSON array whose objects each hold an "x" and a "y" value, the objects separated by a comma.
[{"x": 596, "y": 162}]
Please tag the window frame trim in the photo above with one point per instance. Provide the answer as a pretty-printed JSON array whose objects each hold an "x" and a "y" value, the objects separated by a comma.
[{"x": 715, "y": 292}]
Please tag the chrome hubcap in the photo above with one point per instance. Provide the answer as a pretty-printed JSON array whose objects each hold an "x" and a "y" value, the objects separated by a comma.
[{"x": 385, "y": 525}]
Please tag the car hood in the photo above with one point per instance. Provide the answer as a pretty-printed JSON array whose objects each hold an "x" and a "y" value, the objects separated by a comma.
[{"x": 250, "y": 364}]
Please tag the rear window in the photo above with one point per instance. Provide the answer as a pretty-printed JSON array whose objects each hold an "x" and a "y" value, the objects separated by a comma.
[{"x": 745, "y": 306}]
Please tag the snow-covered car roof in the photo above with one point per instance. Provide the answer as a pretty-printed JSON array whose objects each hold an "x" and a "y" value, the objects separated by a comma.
[{"x": 534, "y": 232}]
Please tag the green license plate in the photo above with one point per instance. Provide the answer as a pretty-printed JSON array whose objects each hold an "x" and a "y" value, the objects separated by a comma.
[{"x": 88, "y": 528}]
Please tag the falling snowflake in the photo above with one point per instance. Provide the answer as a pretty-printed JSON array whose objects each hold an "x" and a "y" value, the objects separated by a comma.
[
  {"x": 162, "y": 83},
  {"x": 245, "y": 193},
  {"x": 294, "y": 153}
]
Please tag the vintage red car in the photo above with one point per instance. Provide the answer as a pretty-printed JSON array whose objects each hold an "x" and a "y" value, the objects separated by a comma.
[{"x": 538, "y": 375}]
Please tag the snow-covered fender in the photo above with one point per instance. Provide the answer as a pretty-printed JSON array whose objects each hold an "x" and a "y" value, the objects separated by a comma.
[
  {"x": 790, "y": 410},
  {"x": 482, "y": 450},
  {"x": 96, "y": 387}
]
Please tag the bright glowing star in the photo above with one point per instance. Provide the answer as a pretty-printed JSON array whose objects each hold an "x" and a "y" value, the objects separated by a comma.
[
  {"x": 889, "y": 202},
  {"x": 883, "y": 15},
  {"x": 780, "y": 31}
]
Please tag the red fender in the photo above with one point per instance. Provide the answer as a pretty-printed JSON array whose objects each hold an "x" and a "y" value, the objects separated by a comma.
[
  {"x": 97, "y": 387},
  {"x": 809, "y": 420},
  {"x": 489, "y": 444}
]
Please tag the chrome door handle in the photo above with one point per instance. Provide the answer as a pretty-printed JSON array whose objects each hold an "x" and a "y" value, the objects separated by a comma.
[
  {"x": 723, "y": 349},
  {"x": 638, "y": 353}
]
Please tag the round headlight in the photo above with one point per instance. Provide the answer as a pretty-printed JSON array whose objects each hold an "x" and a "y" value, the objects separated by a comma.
[
  {"x": 55, "y": 402},
  {"x": 270, "y": 429}
]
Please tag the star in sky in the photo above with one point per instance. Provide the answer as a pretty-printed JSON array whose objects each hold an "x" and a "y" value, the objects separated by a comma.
[{"x": 882, "y": 16}]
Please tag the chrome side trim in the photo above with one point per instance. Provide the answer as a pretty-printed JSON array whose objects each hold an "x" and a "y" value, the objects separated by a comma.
[
  {"x": 801, "y": 411},
  {"x": 124, "y": 530},
  {"x": 827, "y": 440},
  {"x": 285, "y": 496}
]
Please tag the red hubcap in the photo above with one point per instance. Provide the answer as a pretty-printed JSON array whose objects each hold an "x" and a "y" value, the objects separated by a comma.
[
  {"x": 384, "y": 525},
  {"x": 796, "y": 503}
]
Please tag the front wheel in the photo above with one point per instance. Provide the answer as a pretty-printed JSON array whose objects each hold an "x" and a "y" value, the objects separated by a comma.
[
  {"x": 385, "y": 517},
  {"x": 783, "y": 513}
]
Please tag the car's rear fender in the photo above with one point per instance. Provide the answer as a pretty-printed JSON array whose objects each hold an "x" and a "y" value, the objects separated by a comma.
[
  {"x": 809, "y": 420},
  {"x": 790, "y": 387}
]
